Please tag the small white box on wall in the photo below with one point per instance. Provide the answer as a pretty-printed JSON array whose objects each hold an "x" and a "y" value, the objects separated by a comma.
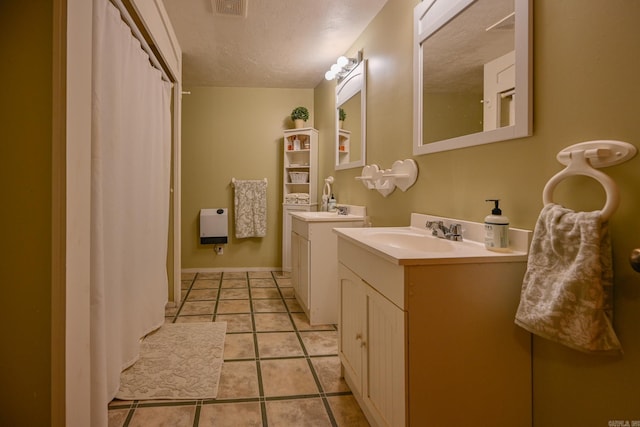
[{"x": 214, "y": 226}]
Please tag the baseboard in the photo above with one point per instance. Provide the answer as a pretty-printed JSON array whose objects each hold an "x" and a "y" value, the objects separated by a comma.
[{"x": 228, "y": 269}]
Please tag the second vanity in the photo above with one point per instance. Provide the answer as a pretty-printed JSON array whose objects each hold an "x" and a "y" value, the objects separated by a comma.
[
  {"x": 314, "y": 267},
  {"x": 426, "y": 330}
]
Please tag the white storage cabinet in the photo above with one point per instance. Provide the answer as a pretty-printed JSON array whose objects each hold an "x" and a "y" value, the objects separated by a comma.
[{"x": 300, "y": 156}]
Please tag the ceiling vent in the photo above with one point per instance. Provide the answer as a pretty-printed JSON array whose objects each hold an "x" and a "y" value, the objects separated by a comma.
[{"x": 236, "y": 8}]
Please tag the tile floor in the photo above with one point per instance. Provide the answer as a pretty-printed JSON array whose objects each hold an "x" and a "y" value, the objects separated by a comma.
[{"x": 278, "y": 370}]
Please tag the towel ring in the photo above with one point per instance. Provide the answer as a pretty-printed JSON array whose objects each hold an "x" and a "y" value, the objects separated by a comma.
[{"x": 582, "y": 159}]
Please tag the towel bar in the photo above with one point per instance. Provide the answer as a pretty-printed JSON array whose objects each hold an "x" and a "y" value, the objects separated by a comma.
[
  {"x": 233, "y": 181},
  {"x": 583, "y": 158}
]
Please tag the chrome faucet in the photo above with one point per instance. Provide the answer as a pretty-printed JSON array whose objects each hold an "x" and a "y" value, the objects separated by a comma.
[
  {"x": 438, "y": 229},
  {"x": 343, "y": 210}
]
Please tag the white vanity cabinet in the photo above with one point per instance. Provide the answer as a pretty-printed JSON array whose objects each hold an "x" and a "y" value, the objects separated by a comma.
[
  {"x": 287, "y": 210},
  {"x": 314, "y": 263},
  {"x": 300, "y": 260},
  {"x": 433, "y": 342},
  {"x": 372, "y": 349}
]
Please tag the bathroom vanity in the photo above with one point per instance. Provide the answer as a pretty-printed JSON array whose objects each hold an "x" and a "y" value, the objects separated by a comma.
[
  {"x": 426, "y": 330},
  {"x": 314, "y": 267}
]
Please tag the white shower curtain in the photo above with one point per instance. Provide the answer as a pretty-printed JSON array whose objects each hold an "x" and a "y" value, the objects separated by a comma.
[{"x": 131, "y": 149}]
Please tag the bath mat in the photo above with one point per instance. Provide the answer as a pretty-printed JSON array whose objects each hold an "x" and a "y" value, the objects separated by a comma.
[{"x": 177, "y": 361}]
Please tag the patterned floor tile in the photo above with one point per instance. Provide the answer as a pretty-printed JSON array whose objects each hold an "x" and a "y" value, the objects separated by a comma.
[
  {"x": 277, "y": 368},
  {"x": 246, "y": 414}
]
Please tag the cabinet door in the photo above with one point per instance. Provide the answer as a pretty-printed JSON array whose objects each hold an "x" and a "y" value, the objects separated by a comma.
[
  {"x": 351, "y": 324},
  {"x": 304, "y": 283},
  {"x": 384, "y": 369},
  {"x": 286, "y": 232}
]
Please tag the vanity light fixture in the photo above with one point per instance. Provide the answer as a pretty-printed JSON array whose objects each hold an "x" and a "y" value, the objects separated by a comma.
[{"x": 342, "y": 67}]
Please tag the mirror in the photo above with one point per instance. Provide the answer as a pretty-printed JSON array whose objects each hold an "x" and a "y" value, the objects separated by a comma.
[
  {"x": 351, "y": 132},
  {"x": 472, "y": 72}
]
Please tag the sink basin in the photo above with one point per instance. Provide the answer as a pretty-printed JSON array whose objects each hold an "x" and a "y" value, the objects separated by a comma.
[{"x": 405, "y": 239}]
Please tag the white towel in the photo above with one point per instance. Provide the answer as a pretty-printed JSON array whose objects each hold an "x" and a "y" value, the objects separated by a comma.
[
  {"x": 297, "y": 198},
  {"x": 567, "y": 291},
  {"x": 250, "y": 208}
]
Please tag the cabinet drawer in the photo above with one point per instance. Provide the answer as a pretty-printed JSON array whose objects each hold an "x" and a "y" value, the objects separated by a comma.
[{"x": 384, "y": 277}]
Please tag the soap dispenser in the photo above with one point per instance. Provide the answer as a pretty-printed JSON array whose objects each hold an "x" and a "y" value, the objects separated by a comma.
[{"x": 496, "y": 229}]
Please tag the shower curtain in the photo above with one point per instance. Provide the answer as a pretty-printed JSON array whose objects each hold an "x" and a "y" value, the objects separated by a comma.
[{"x": 131, "y": 149}]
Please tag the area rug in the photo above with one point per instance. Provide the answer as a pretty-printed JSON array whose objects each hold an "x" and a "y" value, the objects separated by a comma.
[{"x": 177, "y": 361}]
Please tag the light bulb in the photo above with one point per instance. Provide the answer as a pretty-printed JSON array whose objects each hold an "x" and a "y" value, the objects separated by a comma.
[
  {"x": 335, "y": 68},
  {"x": 329, "y": 75},
  {"x": 342, "y": 61}
]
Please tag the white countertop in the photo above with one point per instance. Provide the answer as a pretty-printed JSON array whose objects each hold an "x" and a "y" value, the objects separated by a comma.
[
  {"x": 414, "y": 245},
  {"x": 325, "y": 217},
  {"x": 356, "y": 213}
]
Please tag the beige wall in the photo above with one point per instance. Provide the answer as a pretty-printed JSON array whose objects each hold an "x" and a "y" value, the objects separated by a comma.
[
  {"x": 226, "y": 133},
  {"x": 26, "y": 159},
  {"x": 586, "y": 68}
]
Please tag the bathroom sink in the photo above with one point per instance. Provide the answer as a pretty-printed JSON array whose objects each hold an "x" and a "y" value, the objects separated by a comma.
[
  {"x": 354, "y": 214},
  {"x": 415, "y": 245},
  {"x": 325, "y": 216},
  {"x": 410, "y": 240},
  {"x": 320, "y": 214}
]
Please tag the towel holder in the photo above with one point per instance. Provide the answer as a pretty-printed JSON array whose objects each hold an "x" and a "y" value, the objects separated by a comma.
[
  {"x": 583, "y": 159},
  {"x": 233, "y": 181}
]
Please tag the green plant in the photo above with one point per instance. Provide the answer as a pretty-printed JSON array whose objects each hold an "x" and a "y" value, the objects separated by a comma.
[
  {"x": 300, "y": 113},
  {"x": 342, "y": 115}
]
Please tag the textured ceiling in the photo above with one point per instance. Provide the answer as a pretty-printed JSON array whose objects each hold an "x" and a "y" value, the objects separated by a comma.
[
  {"x": 455, "y": 55},
  {"x": 281, "y": 43}
]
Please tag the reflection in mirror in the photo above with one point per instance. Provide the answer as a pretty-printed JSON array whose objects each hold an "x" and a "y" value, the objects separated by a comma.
[
  {"x": 351, "y": 132},
  {"x": 471, "y": 73}
]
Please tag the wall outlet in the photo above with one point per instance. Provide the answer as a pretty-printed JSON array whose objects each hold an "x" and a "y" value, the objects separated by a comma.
[{"x": 219, "y": 249}]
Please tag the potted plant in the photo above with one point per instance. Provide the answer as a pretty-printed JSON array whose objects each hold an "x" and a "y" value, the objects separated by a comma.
[
  {"x": 341, "y": 116},
  {"x": 299, "y": 115}
]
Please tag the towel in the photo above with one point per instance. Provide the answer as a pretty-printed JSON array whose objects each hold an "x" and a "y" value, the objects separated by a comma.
[
  {"x": 567, "y": 289},
  {"x": 250, "y": 208},
  {"x": 297, "y": 199}
]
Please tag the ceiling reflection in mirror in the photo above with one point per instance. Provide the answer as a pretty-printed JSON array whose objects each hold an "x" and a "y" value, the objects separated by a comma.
[
  {"x": 454, "y": 59},
  {"x": 466, "y": 73}
]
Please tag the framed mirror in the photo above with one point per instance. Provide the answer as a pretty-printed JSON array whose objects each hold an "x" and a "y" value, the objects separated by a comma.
[
  {"x": 351, "y": 119},
  {"x": 472, "y": 73}
]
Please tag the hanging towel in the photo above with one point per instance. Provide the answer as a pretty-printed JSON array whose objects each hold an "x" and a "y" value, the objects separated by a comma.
[
  {"x": 567, "y": 290},
  {"x": 250, "y": 208}
]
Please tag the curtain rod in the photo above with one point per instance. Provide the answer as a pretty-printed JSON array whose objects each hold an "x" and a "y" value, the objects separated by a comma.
[{"x": 126, "y": 16}]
